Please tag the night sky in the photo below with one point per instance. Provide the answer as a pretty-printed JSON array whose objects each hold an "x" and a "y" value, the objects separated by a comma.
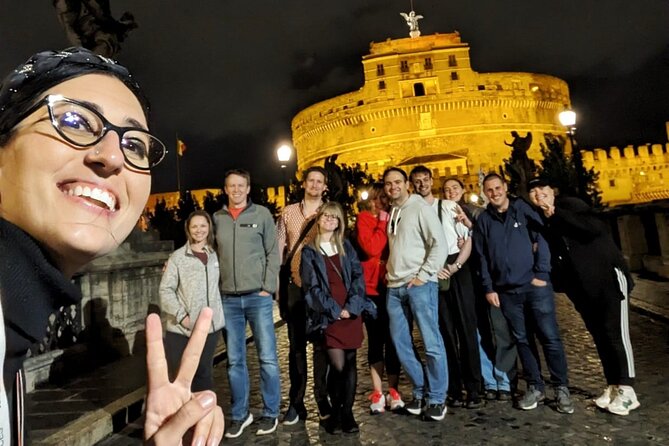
[{"x": 228, "y": 76}]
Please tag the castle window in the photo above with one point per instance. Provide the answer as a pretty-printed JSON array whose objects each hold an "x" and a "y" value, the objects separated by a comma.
[
  {"x": 361, "y": 102},
  {"x": 452, "y": 62},
  {"x": 454, "y": 76},
  {"x": 404, "y": 66},
  {"x": 612, "y": 183},
  {"x": 428, "y": 63},
  {"x": 380, "y": 71},
  {"x": 382, "y": 85},
  {"x": 418, "y": 89},
  {"x": 481, "y": 87}
]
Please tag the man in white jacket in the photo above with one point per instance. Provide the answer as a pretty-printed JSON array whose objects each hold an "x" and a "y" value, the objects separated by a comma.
[{"x": 417, "y": 253}]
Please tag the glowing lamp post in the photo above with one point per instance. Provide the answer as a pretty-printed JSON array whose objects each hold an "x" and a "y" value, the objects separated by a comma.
[
  {"x": 568, "y": 119},
  {"x": 283, "y": 154}
]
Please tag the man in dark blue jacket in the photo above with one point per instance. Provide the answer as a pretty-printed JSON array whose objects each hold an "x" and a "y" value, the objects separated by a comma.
[{"x": 515, "y": 268}]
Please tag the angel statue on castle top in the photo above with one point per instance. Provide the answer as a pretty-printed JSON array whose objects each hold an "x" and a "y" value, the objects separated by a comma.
[{"x": 412, "y": 21}]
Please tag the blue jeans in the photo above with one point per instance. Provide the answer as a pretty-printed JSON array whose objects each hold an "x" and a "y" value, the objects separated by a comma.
[
  {"x": 419, "y": 303},
  {"x": 539, "y": 304},
  {"x": 257, "y": 310},
  {"x": 493, "y": 378}
]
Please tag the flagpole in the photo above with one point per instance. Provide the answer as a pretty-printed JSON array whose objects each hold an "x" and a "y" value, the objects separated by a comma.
[{"x": 178, "y": 167}]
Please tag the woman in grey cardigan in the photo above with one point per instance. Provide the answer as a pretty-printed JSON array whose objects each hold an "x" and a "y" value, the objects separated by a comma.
[{"x": 189, "y": 284}]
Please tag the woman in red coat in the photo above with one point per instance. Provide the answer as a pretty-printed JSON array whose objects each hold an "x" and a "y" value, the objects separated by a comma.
[{"x": 372, "y": 242}]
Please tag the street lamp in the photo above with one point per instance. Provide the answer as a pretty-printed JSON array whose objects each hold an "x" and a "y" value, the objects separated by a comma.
[
  {"x": 567, "y": 118},
  {"x": 283, "y": 153}
]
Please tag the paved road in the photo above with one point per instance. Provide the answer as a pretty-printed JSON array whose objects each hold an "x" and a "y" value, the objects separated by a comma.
[{"x": 497, "y": 423}]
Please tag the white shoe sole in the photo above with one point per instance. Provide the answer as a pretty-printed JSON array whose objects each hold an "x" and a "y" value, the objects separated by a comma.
[
  {"x": 533, "y": 406},
  {"x": 270, "y": 430},
  {"x": 246, "y": 424},
  {"x": 440, "y": 417},
  {"x": 291, "y": 422},
  {"x": 415, "y": 411}
]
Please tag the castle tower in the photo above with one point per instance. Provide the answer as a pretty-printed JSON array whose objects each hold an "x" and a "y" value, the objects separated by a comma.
[{"x": 422, "y": 103}]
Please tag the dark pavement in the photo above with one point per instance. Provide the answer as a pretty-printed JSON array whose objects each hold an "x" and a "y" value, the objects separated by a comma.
[
  {"x": 106, "y": 400},
  {"x": 497, "y": 423}
]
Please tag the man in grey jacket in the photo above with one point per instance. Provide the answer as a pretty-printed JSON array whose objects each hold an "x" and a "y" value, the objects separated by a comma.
[
  {"x": 249, "y": 258},
  {"x": 417, "y": 253}
]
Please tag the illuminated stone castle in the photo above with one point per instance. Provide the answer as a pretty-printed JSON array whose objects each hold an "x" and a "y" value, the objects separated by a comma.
[
  {"x": 422, "y": 103},
  {"x": 632, "y": 175}
]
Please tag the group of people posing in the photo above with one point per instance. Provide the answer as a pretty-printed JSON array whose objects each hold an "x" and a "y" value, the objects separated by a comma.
[
  {"x": 475, "y": 282},
  {"x": 74, "y": 126}
]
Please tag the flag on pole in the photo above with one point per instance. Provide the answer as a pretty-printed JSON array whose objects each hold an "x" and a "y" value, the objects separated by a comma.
[{"x": 181, "y": 147}]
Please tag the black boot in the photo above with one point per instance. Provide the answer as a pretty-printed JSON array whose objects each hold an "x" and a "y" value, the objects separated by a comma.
[
  {"x": 333, "y": 423},
  {"x": 348, "y": 424}
]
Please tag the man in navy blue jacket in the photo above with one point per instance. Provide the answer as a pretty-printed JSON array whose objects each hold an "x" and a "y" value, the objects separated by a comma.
[{"x": 515, "y": 268}]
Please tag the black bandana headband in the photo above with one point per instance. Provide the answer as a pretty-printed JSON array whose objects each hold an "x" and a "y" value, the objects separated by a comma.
[{"x": 24, "y": 85}]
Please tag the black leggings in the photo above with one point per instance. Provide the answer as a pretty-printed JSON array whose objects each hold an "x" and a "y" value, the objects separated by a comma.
[
  {"x": 297, "y": 354},
  {"x": 342, "y": 379},
  {"x": 380, "y": 346},
  {"x": 175, "y": 344}
]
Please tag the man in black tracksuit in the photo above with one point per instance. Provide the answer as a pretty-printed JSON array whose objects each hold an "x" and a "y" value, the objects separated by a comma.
[{"x": 592, "y": 272}]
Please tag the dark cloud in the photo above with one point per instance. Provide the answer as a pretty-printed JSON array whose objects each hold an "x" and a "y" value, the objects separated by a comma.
[{"x": 228, "y": 76}]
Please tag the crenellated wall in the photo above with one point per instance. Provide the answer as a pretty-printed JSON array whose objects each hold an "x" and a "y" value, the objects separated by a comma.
[{"x": 632, "y": 175}]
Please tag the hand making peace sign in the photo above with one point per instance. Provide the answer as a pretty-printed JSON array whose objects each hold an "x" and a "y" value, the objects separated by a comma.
[{"x": 172, "y": 410}]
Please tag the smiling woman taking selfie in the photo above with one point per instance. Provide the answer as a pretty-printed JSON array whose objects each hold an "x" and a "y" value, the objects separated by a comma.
[{"x": 75, "y": 161}]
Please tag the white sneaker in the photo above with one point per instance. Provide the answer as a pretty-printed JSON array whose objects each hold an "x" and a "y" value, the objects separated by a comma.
[
  {"x": 394, "y": 400},
  {"x": 606, "y": 397},
  {"x": 624, "y": 401},
  {"x": 378, "y": 405}
]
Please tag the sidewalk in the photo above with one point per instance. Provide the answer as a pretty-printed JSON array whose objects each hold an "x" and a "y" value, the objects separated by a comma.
[
  {"x": 90, "y": 408},
  {"x": 651, "y": 297}
]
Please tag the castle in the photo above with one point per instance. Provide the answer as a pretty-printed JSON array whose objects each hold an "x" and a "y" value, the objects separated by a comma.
[
  {"x": 637, "y": 175},
  {"x": 422, "y": 103}
]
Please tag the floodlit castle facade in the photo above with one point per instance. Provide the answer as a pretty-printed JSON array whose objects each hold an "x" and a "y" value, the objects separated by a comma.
[{"x": 422, "y": 103}]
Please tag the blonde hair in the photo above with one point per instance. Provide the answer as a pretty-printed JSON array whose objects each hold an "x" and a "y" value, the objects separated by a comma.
[{"x": 331, "y": 207}]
